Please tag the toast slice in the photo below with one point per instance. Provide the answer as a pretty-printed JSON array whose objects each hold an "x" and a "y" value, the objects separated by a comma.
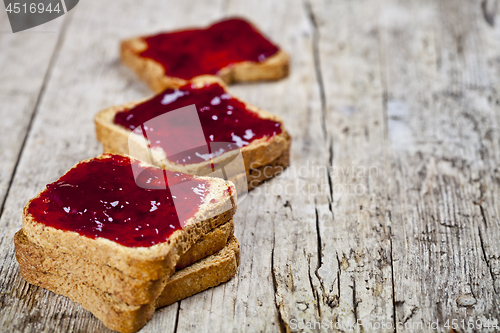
[
  {"x": 106, "y": 278},
  {"x": 220, "y": 127},
  {"x": 233, "y": 50},
  {"x": 125, "y": 318},
  {"x": 58, "y": 218}
]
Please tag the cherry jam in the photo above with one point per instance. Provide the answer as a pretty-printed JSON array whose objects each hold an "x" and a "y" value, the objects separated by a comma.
[
  {"x": 101, "y": 198},
  {"x": 224, "y": 123},
  {"x": 189, "y": 53}
]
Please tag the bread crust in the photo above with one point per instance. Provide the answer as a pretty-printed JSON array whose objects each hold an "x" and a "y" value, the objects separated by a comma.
[
  {"x": 106, "y": 278},
  {"x": 258, "y": 153},
  {"x": 259, "y": 175},
  {"x": 212, "y": 242},
  {"x": 204, "y": 274},
  {"x": 125, "y": 318},
  {"x": 146, "y": 263},
  {"x": 153, "y": 73}
]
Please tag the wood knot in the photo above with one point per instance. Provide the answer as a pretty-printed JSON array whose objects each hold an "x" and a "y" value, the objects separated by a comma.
[{"x": 466, "y": 300}]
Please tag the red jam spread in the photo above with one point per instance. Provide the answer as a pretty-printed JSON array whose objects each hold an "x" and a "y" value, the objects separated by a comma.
[
  {"x": 101, "y": 198},
  {"x": 189, "y": 53},
  {"x": 224, "y": 123}
]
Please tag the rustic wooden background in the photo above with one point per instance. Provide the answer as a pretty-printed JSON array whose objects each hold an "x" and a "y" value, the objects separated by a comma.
[{"x": 390, "y": 211}]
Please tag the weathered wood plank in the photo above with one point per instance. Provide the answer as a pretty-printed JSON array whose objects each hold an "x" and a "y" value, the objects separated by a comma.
[
  {"x": 487, "y": 102},
  {"x": 22, "y": 81},
  {"x": 434, "y": 70},
  {"x": 278, "y": 240},
  {"x": 21, "y": 84},
  {"x": 356, "y": 277}
]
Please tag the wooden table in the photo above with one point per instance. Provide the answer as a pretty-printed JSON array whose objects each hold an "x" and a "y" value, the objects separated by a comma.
[{"x": 389, "y": 214}]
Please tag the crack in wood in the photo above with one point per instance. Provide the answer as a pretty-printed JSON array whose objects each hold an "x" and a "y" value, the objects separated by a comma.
[
  {"x": 329, "y": 176},
  {"x": 282, "y": 325},
  {"x": 394, "y": 320},
  {"x": 354, "y": 301},
  {"x": 313, "y": 290},
  {"x": 486, "y": 258},
  {"x": 333, "y": 301},
  {"x": 177, "y": 316},
  {"x": 317, "y": 65},
  {"x": 320, "y": 253}
]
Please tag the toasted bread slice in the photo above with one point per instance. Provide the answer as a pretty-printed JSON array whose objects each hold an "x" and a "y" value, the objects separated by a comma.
[
  {"x": 263, "y": 157},
  {"x": 160, "y": 76},
  {"x": 212, "y": 242},
  {"x": 204, "y": 274},
  {"x": 141, "y": 262},
  {"x": 106, "y": 278},
  {"x": 125, "y": 318}
]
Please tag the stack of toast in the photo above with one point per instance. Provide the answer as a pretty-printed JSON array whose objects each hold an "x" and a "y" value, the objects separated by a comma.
[
  {"x": 149, "y": 222},
  {"x": 65, "y": 246}
]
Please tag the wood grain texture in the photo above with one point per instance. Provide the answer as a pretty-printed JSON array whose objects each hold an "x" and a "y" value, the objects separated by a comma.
[
  {"x": 438, "y": 161},
  {"x": 389, "y": 214},
  {"x": 21, "y": 90}
]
